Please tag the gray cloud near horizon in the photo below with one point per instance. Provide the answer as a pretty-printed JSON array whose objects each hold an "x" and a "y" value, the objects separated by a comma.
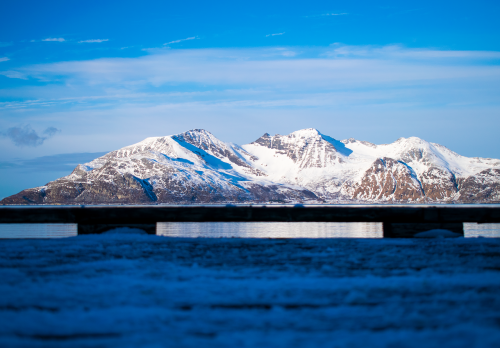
[
  {"x": 27, "y": 136},
  {"x": 59, "y": 162}
]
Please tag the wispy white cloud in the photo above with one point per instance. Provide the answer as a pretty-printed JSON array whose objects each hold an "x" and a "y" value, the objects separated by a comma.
[
  {"x": 177, "y": 41},
  {"x": 357, "y": 68},
  {"x": 346, "y": 64},
  {"x": 58, "y": 39},
  {"x": 182, "y": 89},
  {"x": 94, "y": 40},
  {"x": 280, "y": 51},
  {"x": 4, "y": 59},
  {"x": 338, "y": 50},
  {"x": 329, "y": 14},
  {"x": 275, "y": 34},
  {"x": 13, "y": 74}
]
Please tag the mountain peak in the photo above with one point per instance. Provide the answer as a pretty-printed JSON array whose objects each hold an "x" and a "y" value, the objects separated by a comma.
[
  {"x": 308, "y": 148},
  {"x": 305, "y": 133},
  {"x": 199, "y": 137},
  {"x": 355, "y": 141},
  {"x": 412, "y": 141},
  {"x": 196, "y": 133}
]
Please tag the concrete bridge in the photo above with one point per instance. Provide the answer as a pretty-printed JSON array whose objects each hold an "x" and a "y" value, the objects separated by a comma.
[{"x": 399, "y": 221}]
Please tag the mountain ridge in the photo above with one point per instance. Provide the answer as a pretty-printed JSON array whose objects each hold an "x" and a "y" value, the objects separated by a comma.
[{"x": 303, "y": 166}]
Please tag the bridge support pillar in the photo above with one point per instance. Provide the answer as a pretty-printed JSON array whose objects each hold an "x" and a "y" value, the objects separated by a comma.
[
  {"x": 409, "y": 230},
  {"x": 100, "y": 228}
]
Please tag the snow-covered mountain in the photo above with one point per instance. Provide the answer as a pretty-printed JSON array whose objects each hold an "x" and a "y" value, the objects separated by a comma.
[{"x": 304, "y": 166}]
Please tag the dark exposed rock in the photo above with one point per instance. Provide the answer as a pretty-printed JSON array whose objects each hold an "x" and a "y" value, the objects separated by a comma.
[
  {"x": 388, "y": 180},
  {"x": 439, "y": 184},
  {"x": 482, "y": 187}
]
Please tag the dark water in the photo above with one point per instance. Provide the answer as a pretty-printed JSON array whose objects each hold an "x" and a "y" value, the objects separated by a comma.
[{"x": 241, "y": 230}]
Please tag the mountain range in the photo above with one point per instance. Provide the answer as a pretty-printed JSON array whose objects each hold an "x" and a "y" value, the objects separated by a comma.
[{"x": 304, "y": 166}]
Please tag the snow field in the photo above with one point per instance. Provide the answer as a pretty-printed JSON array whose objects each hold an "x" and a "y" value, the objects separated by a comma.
[{"x": 133, "y": 290}]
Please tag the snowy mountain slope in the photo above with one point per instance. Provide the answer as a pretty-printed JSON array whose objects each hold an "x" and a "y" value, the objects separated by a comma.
[
  {"x": 438, "y": 169},
  {"x": 196, "y": 167},
  {"x": 192, "y": 167},
  {"x": 408, "y": 170},
  {"x": 305, "y": 158}
]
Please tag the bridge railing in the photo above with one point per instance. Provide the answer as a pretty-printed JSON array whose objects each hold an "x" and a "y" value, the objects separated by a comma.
[{"x": 399, "y": 221}]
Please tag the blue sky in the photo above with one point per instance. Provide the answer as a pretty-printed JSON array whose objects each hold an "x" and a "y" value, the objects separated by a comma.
[{"x": 86, "y": 76}]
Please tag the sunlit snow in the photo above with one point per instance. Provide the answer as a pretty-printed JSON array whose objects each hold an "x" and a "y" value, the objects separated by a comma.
[{"x": 133, "y": 290}]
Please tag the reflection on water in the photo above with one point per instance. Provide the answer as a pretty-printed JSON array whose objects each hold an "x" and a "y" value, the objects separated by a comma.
[
  {"x": 296, "y": 229},
  {"x": 472, "y": 229},
  {"x": 241, "y": 230},
  {"x": 270, "y": 229},
  {"x": 37, "y": 230}
]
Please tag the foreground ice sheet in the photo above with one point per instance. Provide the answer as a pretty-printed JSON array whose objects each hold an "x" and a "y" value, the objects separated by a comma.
[{"x": 148, "y": 291}]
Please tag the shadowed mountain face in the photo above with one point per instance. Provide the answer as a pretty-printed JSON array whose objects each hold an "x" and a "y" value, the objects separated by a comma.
[{"x": 304, "y": 166}]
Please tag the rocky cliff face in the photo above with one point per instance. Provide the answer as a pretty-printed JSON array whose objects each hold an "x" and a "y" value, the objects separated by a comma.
[
  {"x": 304, "y": 166},
  {"x": 306, "y": 148},
  {"x": 481, "y": 187},
  {"x": 387, "y": 180}
]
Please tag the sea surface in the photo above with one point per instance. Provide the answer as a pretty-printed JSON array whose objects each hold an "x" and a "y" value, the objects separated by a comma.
[{"x": 241, "y": 230}]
